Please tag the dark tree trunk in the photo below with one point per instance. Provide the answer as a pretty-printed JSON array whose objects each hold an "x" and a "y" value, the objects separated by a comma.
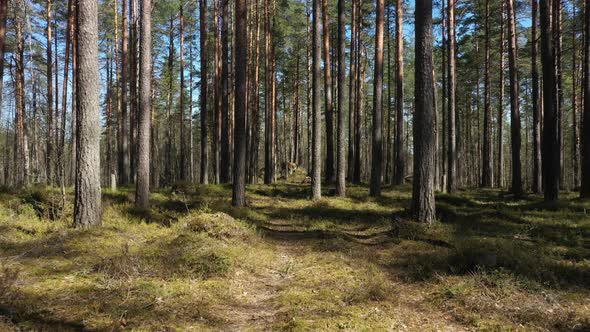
[
  {"x": 142, "y": 191},
  {"x": 316, "y": 178},
  {"x": 352, "y": 94},
  {"x": 514, "y": 102},
  {"x": 204, "y": 175},
  {"x": 550, "y": 119},
  {"x": 399, "y": 148},
  {"x": 182, "y": 116},
  {"x": 585, "y": 186},
  {"x": 123, "y": 139},
  {"x": 537, "y": 175},
  {"x": 87, "y": 205},
  {"x": 341, "y": 157},
  {"x": 50, "y": 120},
  {"x": 241, "y": 63},
  {"x": 486, "y": 174},
  {"x": 269, "y": 146},
  {"x": 377, "y": 159},
  {"x": 500, "y": 116},
  {"x": 424, "y": 118}
]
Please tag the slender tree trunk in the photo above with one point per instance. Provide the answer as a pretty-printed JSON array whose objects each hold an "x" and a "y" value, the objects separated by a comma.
[
  {"x": 341, "y": 157},
  {"x": 575, "y": 105},
  {"x": 452, "y": 136},
  {"x": 585, "y": 186},
  {"x": 500, "y": 116},
  {"x": 352, "y": 94},
  {"x": 358, "y": 107},
  {"x": 514, "y": 102},
  {"x": 133, "y": 104},
  {"x": 269, "y": 148},
  {"x": 21, "y": 143},
  {"x": 329, "y": 110},
  {"x": 424, "y": 141},
  {"x": 399, "y": 148},
  {"x": 87, "y": 205},
  {"x": 377, "y": 159},
  {"x": 182, "y": 115},
  {"x": 550, "y": 119},
  {"x": 217, "y": 94},
  {"x": 50, "y": 134},
  {"x": 486, "y": 176},
  {"x": 537, "y": 175},
  {"x": 556, "y": 21},
  {"x": 62, "y": 144},
  {"x": 169, "y": 171},
  {"x": 142, "y": 191},
  {"x": 316, "y": 144},
  {"x": 204, "y": 175},
  {"x": 241, "y": 64},
  {"x": 123, "y": 128},
  {"x": 225, "y": 116}
]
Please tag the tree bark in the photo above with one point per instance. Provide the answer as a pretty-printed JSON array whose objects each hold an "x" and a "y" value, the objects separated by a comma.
[
  {"x": 423, "y": 204},
  {"x": 87, "y": 205},
  {"x": 537, "y": 175},
  {"x": 377, "y": 159},
  {"x": 183, "y": 151},
  {"x": 316, "y": 178},
  {"x": 486, "y": 176},
  {"x": 514, "y": 102},
  {"x": 329, "y": 110},
  {"x": 399, "y": 148},
  {"x": 341, "y": 157},
  {"x": 451, "y": 122},
  {"x": 50, "y": 134},
  {"x": 550, "y": 119},
  {"x": 142, "y": 191},
  {"x": 352, "y": 93},
  {"x": 500, "y": 115},
  {"x": 269, "y": 146},
  {"x": 241, "y": 63},
  {"x": 123, "y": 118},
  {"x": 204, "y": 175},
  {"x": 585, "y": 186},
  {"x": 224, "y": 176}
]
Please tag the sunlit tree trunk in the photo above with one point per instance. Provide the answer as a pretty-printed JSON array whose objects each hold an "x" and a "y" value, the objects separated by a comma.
[
  {"x": 341, "y": 157},
  {"x": 316, "y": 177},
  {"x": 451, "y": 122},
  {"x": 204, "y": 174},
  {"x": 399, "y": 147},
  {"x": 241, "y": 63},
  {"x": 377, "y": 152}
]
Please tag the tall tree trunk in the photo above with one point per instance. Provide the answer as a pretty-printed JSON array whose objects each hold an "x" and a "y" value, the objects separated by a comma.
[
  {"x": 557, "y": 35},
  {"x": 142, "y": 190},
  {"x": 514, "y": 102},
  {"x": 452, "y": 136},
  {"x": 329, "y": 110},
  {"x": 399, "y": 148},
  {"x": 341, "y": 157},
  {"x": 316, "y": 144},
  {"x": 486, "y": 176},
  {"x": 424, "y": 141},
  {"x": 269, "y": 148},
  {"x": 225, "y": 116},
  {"x": 585, "y": 186},
  {"x": 241, "y": 64},
  {"x": 182, "y": 115},
  {"x": 575, "y": 105},
  {"x": 204, "y": 175},
  {"x": 123, "y": 117},
  {"x": 377, "y": 159},
  {"x": 87, "y": 205},
  {"x": 217, "y": 94},
  {"x": 537, "y": 175},
  {"x": 358, "y": 107},
  {"x": 352, "y": 93},
  {"x": 550, "y": 119},
  {"x": 169, "y": 169},
  {"x": 62, "y": 144},
  {"x": 50, "y": 134},
  {"x": 133, "y": 105},
  {"x": 500, "y": 116},
  {"x": 21, "y": 143}
]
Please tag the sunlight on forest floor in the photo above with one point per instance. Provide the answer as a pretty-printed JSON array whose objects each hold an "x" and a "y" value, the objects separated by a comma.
[{"x": 286, "y": 263}]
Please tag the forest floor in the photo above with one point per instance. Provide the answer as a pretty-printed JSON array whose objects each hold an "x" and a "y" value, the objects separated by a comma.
[{"x": 193, "y": 263}]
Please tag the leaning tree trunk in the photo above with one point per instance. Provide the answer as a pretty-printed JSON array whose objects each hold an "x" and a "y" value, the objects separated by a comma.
[
  {"x": 514, "y": 102},
  {"x": 550, "y": 119},
  {"x": 424, "y": 117},
  {"x": 377, "y": 159},
  {"x": 341, "y": 157},
  {"x": 316, "y": 173},
  {"x": 87, "y": 206}
]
